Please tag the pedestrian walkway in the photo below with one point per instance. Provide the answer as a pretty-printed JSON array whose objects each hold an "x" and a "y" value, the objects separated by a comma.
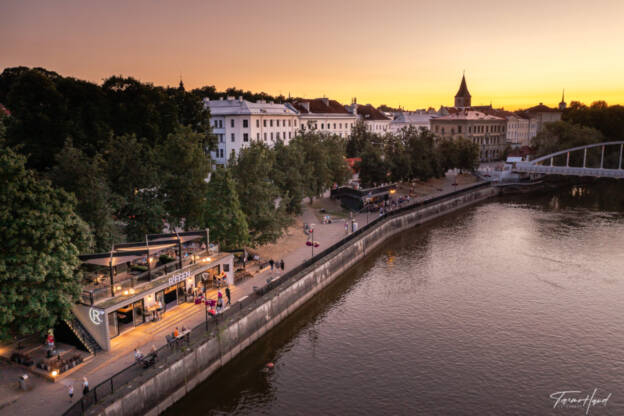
[{"x": 51, "y": 398}]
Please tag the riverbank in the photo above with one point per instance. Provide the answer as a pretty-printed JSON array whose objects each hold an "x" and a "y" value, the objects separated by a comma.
[{"x": 236, "y": 330}]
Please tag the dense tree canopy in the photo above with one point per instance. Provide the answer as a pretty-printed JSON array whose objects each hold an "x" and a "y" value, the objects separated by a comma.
[
  {"x": 609, "y": 120},
  {"x": 223, "y": 214},
  {"x": 41, "y": 238}
]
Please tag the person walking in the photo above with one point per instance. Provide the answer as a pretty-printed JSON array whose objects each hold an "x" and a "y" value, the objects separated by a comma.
[
  {"x": 346, "y": 228},
  {"x": 282, "y": 264},
  {"x": 85, "y": 386},
  {"x": 271, "y": 263},
  {"x": 228, "y": 294},
  {"x": 219, "y": 302},
  {"x": 71, "y": 392}
]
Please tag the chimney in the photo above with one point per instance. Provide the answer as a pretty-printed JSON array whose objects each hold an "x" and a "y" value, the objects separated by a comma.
[
  {"x": 240, "y": 98},
  {"x": 354, "y": 106}
]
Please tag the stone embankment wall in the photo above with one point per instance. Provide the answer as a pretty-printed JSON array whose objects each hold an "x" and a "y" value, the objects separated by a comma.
[{"x": 170, "y": 385}]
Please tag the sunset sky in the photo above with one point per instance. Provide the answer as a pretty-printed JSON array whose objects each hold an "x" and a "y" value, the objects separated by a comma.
[{"x": 409, "y": 53}]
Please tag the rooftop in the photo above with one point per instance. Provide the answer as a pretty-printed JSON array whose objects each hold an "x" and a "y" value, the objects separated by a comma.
[
  {"x": 368, "y": 112},
  {"x": 468, "y": 115},
  {"x": 234, "y": 106},
  {"x": 319, "y": 106}
]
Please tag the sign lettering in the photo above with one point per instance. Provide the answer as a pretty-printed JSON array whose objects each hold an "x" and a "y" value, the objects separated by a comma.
[{"x": 178, "y": 277}]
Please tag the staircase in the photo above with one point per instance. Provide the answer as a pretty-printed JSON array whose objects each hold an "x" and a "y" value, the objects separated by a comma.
[{"x": 83, "y": 335}]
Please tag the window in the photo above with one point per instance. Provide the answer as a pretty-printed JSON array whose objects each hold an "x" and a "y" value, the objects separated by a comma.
[
  {"x": 442, "y": 130},
  {"x": 264, "y": 123},
  {"x": 271, "y": 136},
  {"x": 257, "y": 123},
  {"x": 289, "y": 123},
  {"x": 340, "y": 125},
  {"x": 334, "y": 126},
  {"x": 452, "y": 131},
  {"x": 233, "y": 137},
  {"x": 258, "y": 136},
  {"x": 277, "y": 122},
  {"x": 271, "y": 123},
  {"x": 322, "y": 126},
  {"x": 245, "y": 124},
  {"x": 221, "y": 153},
  {"x": 458, "y": 129},
  {"x": 221, "y": 138},
  {"x": 295, "y": 123},
  {"x": 289, "y": 134},
  {"x": 265, "y": 136},
  {"x": 277, "y": 135},
  {"x": 245, "y": 137},
  {"x": 232, "y": 122}
]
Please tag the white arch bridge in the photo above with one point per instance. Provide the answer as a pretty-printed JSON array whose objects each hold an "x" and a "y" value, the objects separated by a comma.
[{"x": 545, "y": 165}]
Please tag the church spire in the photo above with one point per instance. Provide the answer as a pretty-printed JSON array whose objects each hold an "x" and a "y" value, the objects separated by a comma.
[
  {"x": 562, "y": 104},
  {"x": 462, "y": 98}
]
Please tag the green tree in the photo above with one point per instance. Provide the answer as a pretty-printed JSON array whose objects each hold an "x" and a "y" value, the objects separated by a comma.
[
  {"x": 467, "y": 154},
  {"x": 86, "y": 179},
  {"x": 258, "y": 195},
  {"x": 448, "y": 152},
  {"x": 339, "y": 170},
  {"x": 398, "y": 158},
  {"x": 41, "y": 238},
  {"x": 223, "y": 214},
  {"x": 563, "y": 135},
  {"x": 289, "y": 175},
  {"x": 373, "y": 168},
  {"x": 38, "y": 123},
  {"x": 184, "y": 168},
  {"x": 360, "y": 138}
]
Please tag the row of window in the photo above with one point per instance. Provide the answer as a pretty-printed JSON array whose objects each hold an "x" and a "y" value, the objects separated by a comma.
[
  {"x": 474, "y": 129},
  {"x": 329, "y": 125},
  {"x": 278, "y": 123},
  {"x": 272, "y": 136}
]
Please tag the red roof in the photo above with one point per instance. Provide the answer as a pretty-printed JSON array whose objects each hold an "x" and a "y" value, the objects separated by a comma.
[
  {"x": 320, "y": 105},
  {"x": 368, "y": 112}
]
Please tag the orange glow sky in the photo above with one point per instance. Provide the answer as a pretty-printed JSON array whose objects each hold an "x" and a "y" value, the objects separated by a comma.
[{"x": 409, "y": 53}]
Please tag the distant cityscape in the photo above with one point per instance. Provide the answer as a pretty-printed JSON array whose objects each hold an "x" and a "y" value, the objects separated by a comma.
[{"x": 236, "y": 122}]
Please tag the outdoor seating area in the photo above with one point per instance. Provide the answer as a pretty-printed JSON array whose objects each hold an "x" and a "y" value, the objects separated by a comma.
[
  {"x": 39, "y": 358},
  {"x": 129, "y": 265}
]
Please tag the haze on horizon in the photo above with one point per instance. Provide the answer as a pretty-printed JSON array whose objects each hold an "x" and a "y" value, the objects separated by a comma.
[{"x": 399, "y": 53}]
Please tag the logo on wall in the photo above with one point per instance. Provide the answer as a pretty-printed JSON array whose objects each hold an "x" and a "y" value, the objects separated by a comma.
[{"x": 96, "y": 315}]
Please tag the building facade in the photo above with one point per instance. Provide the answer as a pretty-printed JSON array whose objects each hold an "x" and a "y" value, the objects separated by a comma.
[
  {"x": 417, "y": 119},
  {"x": 488, "y": 131},
  {"x": 538, "y": 116},
  {"x": 324, "y": 115},
  {"x": 236, "y": 122}
]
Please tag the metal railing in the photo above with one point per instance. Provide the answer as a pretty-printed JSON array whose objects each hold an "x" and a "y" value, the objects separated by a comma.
[
  {"x": 168, "y": 354},
  {"x": 90, "y": 297}
]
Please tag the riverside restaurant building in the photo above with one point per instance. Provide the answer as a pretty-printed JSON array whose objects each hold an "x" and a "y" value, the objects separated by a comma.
[{"x": 136, "y": 283}]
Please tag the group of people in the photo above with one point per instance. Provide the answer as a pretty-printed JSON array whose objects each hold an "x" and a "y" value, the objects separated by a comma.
[
  {"x": 85, "y": 388},
  {"x": 276, "y": 264}
]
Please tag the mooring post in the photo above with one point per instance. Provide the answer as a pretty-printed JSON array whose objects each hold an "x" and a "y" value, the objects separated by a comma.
[
  {"x": 602, "y": 158},
  {"x": 585, "y": 158},
  {"x": 568, "y": 160},
  {"x": 621, "y": 148}
]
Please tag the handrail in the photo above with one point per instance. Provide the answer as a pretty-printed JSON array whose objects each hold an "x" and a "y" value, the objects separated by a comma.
[
  {"x": 271, "y": 288},
  {"x": 563, "y": 152}
]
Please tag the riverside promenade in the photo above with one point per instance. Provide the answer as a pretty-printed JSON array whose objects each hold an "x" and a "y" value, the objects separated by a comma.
[{"x": 51, "y": 398}]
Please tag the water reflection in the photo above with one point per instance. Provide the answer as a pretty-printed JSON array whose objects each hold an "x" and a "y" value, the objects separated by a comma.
[{"x": 487, "y": 311}]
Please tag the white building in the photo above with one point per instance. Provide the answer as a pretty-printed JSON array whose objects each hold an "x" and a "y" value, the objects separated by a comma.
[
  {"x": 374, "y": 120},
  {"x": 236, "y": 122},
  {"x": 418, "y": 119},
  {"x": 539, "y": 115},
  {"x": 325, "y": 115}
]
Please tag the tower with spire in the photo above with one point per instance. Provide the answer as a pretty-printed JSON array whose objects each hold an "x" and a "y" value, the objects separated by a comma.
[
  {"x": 463, "y": 98},
  {"x": 562, "y": 104}
]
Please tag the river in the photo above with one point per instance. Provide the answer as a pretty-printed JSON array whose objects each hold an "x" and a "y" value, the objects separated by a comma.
[{"x": 488, "y": 311}]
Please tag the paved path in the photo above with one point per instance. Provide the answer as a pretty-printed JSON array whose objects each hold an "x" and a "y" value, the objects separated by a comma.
[{"x": 52, "y": 399}]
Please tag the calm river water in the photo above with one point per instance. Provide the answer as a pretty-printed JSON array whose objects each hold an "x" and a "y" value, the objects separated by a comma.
[{"x": 485, "y": 312}]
